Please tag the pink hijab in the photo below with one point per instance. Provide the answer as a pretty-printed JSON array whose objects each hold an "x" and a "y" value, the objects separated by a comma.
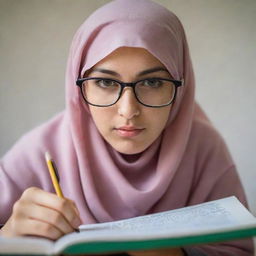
[
  {"x": 188, "y": 164},
  {"x": 114, "y": 187}
]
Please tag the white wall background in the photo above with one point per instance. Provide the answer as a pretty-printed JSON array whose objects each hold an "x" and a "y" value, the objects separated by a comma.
[{"x": 34, "y": 40}]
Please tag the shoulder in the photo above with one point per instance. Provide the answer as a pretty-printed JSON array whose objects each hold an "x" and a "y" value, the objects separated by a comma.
[{"x": 33, "y": 144}]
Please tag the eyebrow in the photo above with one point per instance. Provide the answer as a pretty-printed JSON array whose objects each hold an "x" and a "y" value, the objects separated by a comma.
[
  {"x": 152, "y": 70},
  {"x": 142, "y": 73}
]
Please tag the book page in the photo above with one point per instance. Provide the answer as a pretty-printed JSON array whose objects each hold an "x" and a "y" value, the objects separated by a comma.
[
  {"x": 211, "y": 217},
  {"x": 224, "y": 213}
]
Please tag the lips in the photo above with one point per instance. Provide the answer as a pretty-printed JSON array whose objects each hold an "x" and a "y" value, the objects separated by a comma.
[{"x": 128, "y": 131}]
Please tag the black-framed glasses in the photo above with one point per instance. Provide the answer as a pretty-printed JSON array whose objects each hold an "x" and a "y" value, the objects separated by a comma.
[{"x": 151, "y": 92}]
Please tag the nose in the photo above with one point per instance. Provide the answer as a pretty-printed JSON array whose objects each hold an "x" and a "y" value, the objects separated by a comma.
[{"x": 128, "y": 106}]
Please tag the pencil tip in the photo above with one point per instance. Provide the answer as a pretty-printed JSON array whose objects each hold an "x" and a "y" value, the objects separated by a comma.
[{"x": 47, "y": 156}]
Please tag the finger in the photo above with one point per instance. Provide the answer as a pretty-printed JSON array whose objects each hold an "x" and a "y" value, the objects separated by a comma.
[
  {"x": 62, "y": 205},
  {"x": 39, "y": 228},
  {"x": 50, "y": 216},
  {"x": 70, "y": 212},
  {"x": 23, "y": 210},
  {"x": 76, "y": 209}
]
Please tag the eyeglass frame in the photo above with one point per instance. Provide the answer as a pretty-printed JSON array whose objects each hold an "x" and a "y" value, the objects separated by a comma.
[{"x": 177, "y": 83}]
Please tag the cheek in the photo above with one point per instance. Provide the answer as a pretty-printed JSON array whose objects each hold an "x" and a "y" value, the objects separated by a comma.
[
  {"x": 159, "y": 119},
  {"x": 102, "y": 118}
]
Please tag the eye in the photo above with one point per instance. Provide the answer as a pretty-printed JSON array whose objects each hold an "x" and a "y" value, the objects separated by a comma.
[
  {"x": 153, "y": 83},
  {"x": 106, "y": 83}
]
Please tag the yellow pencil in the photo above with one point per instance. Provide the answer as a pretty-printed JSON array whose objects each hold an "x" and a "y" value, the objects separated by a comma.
[{"x": 54, "y": 174}]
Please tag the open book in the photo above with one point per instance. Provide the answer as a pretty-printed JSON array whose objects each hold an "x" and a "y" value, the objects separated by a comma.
[{"x": 215, "y": 221}]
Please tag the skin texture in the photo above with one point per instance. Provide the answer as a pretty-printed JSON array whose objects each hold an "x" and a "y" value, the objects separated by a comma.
[{"x": 127, "y": 63}]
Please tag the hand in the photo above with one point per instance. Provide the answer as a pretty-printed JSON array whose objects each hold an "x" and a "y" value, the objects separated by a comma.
[
  {"x": 160, "y": 252},
  {"x": 41, "y": 213}
]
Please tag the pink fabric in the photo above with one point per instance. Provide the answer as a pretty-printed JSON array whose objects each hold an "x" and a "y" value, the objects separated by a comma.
[{"x": 188, "y": 164}]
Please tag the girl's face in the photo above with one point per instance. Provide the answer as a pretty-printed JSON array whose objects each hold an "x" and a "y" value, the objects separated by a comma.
[{"x": 128, "y": 126}]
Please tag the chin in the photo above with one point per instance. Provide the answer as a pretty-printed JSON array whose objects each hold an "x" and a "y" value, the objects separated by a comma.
[
  {"x": 129, "y": 149},
  {"x": 129, "y": 152}
]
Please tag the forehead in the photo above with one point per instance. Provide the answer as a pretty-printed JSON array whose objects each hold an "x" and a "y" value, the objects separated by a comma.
[
  {"x": 127, "y": 62},
  {"x": 129, "y": 57}
]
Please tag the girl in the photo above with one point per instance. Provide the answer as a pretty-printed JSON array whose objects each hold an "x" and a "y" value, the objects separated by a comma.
[{"x": 131, "y": 140}]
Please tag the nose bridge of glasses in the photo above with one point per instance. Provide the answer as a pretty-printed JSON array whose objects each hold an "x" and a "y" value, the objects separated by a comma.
[
  {"x": 124, "y": 85},
  {"x": 128, "y": 89}
]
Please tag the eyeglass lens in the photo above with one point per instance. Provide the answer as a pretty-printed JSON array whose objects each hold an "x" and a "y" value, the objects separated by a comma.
[{"x": 152, "y": 92}]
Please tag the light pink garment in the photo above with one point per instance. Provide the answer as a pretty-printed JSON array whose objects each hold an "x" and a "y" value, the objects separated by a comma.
[{"x": 187, "y": 164}]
